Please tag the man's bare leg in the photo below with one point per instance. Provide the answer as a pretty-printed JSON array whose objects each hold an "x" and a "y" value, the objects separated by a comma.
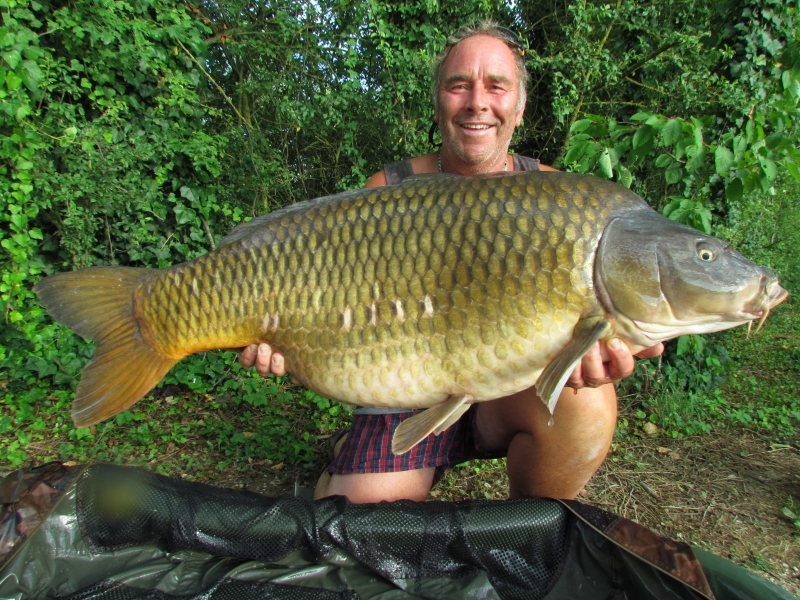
[
  {"x": 544, "y": 460},
  {"x": 550, "y": 460},
  {"x": 377, "y": 487}
]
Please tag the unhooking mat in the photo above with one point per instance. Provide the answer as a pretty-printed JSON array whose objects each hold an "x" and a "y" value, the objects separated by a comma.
[{"x": 117, "y": 533}]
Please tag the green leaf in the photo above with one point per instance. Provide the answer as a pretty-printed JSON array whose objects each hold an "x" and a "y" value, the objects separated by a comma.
[
  {"x": 12, "y": 58},
  {"x": 624, "y": 176},
  {"x": 734, "y": 190},
  {"x": 189, "y": 194},
  {"x": 641, "y": 116},
  {"x": 793, "y": 170},
  {"x": 672, "y": 132},
  {"x": 184, "y": 214},
  {"x": 697, "y": 161},
  {"x": 674, "y": 173},
  {"x": 580, "y": 125},
  {"x": 576, "y": 151},
  {"x": 723, "y": 160},
  {"x": 604, "y": 163},
  {"x": 642, "y": 136},
  {"x": 13, "y": 81},
  {"x": 774, "y": 140},
  {"x": 770, "y": 169},
  {"x": 698, "y": 133},
  {"x": 664, "y": 161},
  {"x": 30, "y": 74}
]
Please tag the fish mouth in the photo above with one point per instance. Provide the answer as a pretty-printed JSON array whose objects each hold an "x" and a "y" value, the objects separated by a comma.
[{"x": 770, "y": 294}]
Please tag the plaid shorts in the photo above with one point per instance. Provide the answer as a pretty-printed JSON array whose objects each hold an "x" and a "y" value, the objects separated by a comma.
[{"x": 368, "y": 446}]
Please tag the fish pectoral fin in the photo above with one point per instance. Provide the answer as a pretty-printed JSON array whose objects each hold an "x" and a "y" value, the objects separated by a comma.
[
  {"x": 555, "y": 374},
  {"x": 433, "y": 420}
]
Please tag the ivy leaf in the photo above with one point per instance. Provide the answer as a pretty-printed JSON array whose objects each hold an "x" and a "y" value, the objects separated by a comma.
[
  {"x": 30, "y": 73},
  {"x": 184, "y": 214},
  {"x": 723, "y": 160},
  {"x": 12, "y": 57},
  {"x": 13, "y": 81},
  {"x": 189, "y": 194}
]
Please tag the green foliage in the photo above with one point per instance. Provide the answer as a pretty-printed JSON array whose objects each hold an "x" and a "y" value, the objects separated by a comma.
[{"x": 138, "y": 133}]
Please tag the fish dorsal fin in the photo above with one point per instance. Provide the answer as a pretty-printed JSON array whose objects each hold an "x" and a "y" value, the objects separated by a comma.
[
  {"x": 434, "y": 420},
  {"x": 254, "y": 225},
  {"x": 430, "y": 176},
  {"x": 555, "y": 374}
]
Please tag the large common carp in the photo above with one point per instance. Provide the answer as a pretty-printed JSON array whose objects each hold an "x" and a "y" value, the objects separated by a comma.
[{"x": 435, "y": 293}]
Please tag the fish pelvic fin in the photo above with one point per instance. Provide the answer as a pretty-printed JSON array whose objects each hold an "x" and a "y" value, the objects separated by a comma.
[
  {"x": 433, "y": 420},
  {"x": 98, "y": 304},
  {"x": 555, "y": 374}
]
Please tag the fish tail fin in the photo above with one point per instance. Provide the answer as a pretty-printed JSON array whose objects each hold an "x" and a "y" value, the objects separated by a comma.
[{"x": 98, "y": 304}]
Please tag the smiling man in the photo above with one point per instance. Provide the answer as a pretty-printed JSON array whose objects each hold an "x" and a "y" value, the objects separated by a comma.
[{"x": 479, "y": 95}]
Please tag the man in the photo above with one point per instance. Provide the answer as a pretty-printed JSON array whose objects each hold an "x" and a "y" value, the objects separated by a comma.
[{"x": 479, "y": 98}]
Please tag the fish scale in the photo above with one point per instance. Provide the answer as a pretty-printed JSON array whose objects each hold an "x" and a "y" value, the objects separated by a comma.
[
  {"x": 434, "y": 293},
  {"x": 433, "y": 289}
]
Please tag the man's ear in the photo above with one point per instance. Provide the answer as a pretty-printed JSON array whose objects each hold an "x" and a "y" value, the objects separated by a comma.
[{"x": 520, "y": 115}]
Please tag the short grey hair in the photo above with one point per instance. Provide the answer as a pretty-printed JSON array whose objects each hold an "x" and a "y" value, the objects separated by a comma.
[{"x": 485, "y": 27}]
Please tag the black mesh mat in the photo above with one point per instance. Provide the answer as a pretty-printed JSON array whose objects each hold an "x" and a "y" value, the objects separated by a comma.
[
  {"x": 225, "y": 590},
  {"x": 119, "y": 507}
]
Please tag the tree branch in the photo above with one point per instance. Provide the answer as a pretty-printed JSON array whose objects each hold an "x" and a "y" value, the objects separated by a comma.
[{"x": 219, "y": 88}]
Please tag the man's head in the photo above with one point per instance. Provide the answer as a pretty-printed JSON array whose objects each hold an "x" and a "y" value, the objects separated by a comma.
[
  {"x": 492, "y": 29},
  {"x": 480, "y": 98}
]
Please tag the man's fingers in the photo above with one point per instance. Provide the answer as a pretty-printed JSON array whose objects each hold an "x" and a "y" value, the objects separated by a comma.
[
  {"x": 651, "y": 352},
  {"x": 247, "y": 357},
  {"x": 276, "y": 365},
  {"x": 594, "y": 370},
  {"x": 621, "y": 361},
  {"x": 576, "y": 377}
]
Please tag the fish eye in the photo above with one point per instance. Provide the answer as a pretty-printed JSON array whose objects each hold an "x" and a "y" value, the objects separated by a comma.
[{"x": 705, "y": 254}]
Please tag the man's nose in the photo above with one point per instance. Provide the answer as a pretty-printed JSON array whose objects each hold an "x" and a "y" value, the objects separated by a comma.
[{"x": 478, "y": 98}]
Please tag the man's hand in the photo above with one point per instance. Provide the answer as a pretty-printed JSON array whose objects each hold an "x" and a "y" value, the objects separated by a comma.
[
  {"x": 263, "y": 358},
  {"x": 611, "y": 362}
]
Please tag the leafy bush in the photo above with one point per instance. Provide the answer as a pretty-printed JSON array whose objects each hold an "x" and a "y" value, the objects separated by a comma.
[{"x": 138, "y": 133}]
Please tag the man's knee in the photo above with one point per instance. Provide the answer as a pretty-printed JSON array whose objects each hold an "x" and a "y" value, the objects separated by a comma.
[{"x": 379, "y": 487}]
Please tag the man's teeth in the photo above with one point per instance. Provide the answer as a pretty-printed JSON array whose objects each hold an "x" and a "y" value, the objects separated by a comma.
[{"x": 468, "y": 126}]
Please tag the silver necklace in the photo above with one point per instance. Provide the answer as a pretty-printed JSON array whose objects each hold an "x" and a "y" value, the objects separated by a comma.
[{"x": 439, "y": 162}]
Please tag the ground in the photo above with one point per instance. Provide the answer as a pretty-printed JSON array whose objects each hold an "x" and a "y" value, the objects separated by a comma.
[
  {"x": 724, "y": 494},
  {"x": 732, "y": 490}
]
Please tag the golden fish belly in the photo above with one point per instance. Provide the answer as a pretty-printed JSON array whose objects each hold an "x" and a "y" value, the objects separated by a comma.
[{"x": 398, "y": 296}]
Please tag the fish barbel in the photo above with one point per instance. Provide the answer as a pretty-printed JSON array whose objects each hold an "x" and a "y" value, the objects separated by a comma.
[{"x": 435, "y": 293}]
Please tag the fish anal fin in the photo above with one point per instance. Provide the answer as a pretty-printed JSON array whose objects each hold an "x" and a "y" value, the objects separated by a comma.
[
  {"x": 554, "y": 376},
  {"x": 433, "y": 420}
]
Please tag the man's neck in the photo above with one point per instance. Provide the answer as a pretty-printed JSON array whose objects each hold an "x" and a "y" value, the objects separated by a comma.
[{"x": 452, "y": 164}]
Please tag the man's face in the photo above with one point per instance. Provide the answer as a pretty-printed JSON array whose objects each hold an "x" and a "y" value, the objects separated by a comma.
[{"x": 478, "y": 100}]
